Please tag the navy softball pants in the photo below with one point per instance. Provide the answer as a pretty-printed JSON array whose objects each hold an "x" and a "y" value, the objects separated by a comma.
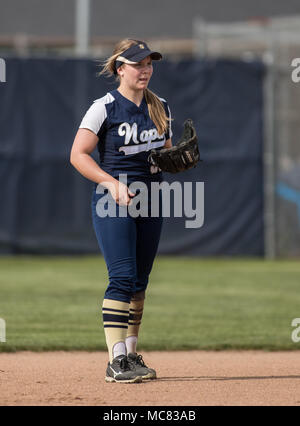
[{"x": 129, "y": 246}]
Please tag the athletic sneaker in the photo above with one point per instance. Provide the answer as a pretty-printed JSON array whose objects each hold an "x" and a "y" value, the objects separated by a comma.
[
  {"x": 121, "y": 371},
  {"x": 140, "y": 367}
]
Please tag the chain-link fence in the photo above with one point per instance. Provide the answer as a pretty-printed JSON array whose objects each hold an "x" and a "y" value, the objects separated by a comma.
[{"x": 277, "y": 43}]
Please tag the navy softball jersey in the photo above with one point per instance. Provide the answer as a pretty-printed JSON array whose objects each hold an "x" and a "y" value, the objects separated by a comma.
[{"x": 126, "y": 136}]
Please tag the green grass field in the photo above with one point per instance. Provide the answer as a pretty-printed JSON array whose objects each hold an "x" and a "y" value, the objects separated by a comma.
[{"x": 55, "y": 303}]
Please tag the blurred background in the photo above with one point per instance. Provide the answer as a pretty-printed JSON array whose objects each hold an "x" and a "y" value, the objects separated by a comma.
[{"x": 227, "y": 65}]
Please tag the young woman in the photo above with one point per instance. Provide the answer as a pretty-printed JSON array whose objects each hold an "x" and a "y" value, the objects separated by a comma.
[{"x": 125, "y": 125}]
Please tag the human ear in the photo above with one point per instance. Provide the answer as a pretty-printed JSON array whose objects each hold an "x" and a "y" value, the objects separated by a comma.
[{"x": 120, "y": 71}]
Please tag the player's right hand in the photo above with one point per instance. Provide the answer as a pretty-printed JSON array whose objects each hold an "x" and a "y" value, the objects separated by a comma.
[{"x": 121, "y": 194}]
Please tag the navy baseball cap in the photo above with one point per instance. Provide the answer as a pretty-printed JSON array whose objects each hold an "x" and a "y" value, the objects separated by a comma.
[{"x": 135, "y": 54}]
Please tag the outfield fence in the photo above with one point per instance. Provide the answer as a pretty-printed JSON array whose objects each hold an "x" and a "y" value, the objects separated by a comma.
[
  {"x": 276, "y": 42},
  {"x": 241, "y": 89}
]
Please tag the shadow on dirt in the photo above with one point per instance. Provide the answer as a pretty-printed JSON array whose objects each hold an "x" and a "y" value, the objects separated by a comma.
[{"x": 203, "y": 378}]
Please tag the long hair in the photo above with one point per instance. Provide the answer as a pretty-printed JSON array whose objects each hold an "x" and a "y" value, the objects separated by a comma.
[{"x": 155, "y": 107}]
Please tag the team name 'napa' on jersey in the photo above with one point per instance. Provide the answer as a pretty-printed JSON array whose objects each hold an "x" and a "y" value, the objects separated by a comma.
[{"x": 126, "y": 134}]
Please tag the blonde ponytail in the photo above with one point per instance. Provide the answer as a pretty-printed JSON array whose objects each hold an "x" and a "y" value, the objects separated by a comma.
[
  {"x": 157, "y": 112},
  {"x": 155, "y": 107},
  {"x": 108, "y": 67}
]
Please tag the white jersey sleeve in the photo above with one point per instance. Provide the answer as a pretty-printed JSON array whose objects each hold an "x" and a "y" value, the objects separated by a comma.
[
  {"x": 96, "y": 114},
  {"x": 169, "y": 133}
]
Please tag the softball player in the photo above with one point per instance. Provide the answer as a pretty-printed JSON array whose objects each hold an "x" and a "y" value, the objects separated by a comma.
[{"x": 124, "y": 125}]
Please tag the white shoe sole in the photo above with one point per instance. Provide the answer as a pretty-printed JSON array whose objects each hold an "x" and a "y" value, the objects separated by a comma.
[
  {"x": 150, "y": 376},
  {"x": 137, "y": 379}
]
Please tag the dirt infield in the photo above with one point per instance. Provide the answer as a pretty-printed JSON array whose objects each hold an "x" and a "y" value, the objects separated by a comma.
[{"x": 184, "y": 378}]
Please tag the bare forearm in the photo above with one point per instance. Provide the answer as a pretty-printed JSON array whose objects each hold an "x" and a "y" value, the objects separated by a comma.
[{"x": 88, "y": 167}]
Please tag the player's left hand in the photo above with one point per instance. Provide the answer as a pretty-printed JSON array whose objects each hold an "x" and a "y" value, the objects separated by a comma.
[{"x": 183, "y": 156}]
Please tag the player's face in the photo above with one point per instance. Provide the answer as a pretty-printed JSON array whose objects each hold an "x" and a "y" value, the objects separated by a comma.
[{"x": 137, "y": 76}]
